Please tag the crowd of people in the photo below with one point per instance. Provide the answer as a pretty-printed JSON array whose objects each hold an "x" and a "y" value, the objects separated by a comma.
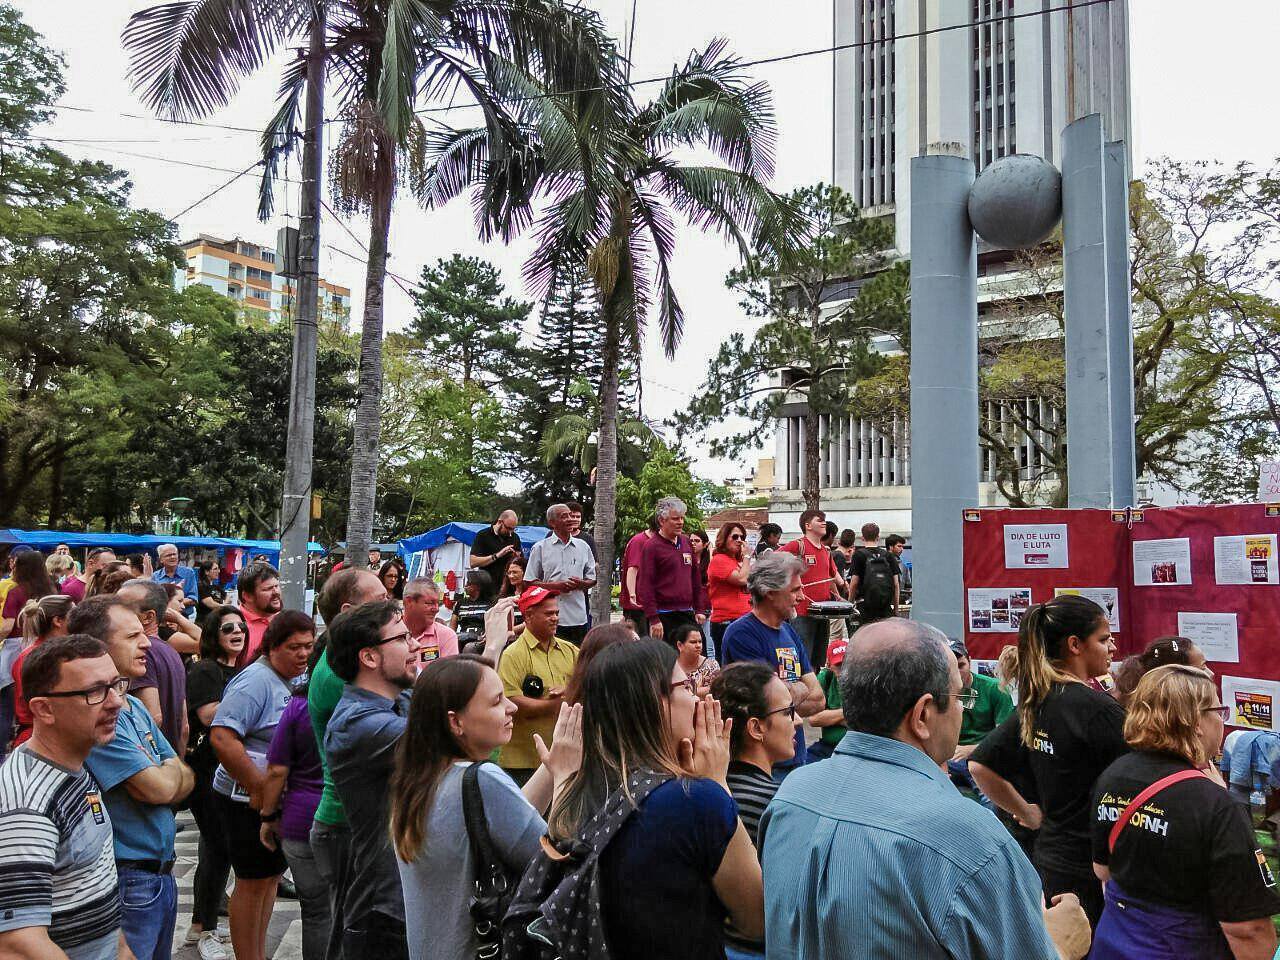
[{"x": 717, "y": 774}]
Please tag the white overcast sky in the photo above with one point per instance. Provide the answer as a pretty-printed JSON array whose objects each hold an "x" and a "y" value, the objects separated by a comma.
[{"x": 1203, "y": 88}]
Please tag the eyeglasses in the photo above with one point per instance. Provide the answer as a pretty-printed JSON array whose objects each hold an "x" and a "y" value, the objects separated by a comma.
[
  {"x": 1223, "y": 711},
  {"x": 96, "y": 694},
  {"x": 736, "y": 536},
  {"x": 399, "y": 636},
  {"x": 789, "y": 710},
  {"x": 968, "y": 700},
  {"x": 231, "y": 628}
]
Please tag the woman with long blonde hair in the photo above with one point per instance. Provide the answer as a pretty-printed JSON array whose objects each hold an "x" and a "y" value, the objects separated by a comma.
[
  {"x": 1062, "y": 736},
  {"x": 1184, "y": 876},
  {"x": 41, "y": 619}
]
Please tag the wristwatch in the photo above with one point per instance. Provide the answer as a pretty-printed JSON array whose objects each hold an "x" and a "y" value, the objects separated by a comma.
[{"x": 269, "y": 817}]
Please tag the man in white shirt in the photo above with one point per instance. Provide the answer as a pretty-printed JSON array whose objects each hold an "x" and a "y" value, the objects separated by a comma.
[{"x": 565, "y": 565}]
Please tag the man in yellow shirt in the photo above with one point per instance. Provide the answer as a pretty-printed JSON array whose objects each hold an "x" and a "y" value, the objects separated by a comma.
[{"x": 534, "y": 669}]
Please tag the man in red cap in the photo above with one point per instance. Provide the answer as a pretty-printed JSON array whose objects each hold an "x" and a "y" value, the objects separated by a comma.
[
  {"x": 534, "y": 669},
  {"x": 831, "y": 720}
]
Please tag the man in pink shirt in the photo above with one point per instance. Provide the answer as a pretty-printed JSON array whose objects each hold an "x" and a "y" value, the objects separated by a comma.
[
  {"x": 631, "y": 609},
  {"x": 259, "y": 590},
  {"x": 434, "y": 638}
]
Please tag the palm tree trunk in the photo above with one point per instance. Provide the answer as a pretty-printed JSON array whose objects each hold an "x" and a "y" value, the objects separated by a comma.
[
  {"x": 364, "y": 448},
  {"x": 606, "y": 504}
]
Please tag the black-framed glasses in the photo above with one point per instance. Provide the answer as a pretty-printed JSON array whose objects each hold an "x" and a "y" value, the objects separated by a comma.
[
  {"x": 1223, "y": 711},
  {"x": 97, "y": 693},
  {"x": 232, "y": 627},
  {"x": 399, "y": 636},
  {"x": 789, "y": 710},
  {"x": 736, "y": 536},
  {"x": 968, "y": 700}
]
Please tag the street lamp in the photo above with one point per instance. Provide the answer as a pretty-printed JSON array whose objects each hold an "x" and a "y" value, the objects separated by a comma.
[{"x": 177, "y": 506}]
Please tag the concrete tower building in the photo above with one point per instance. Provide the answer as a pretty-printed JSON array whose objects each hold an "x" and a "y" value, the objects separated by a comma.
[{"x": 990, "y": 77}]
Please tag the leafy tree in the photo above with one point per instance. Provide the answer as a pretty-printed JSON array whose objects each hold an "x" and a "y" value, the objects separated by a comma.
[
  {"x": 613, "y": 171},
  {"x": 664, "y": 475},
  {"x": 826, "y": 296},
  {"x": 574, "y": 434}
]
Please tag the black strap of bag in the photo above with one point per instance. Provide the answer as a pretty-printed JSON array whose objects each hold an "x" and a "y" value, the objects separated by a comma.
[{"x": 493, "y": 888}]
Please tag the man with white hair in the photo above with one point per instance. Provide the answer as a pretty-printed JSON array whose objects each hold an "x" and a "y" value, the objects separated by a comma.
[
  {"x": 669, "y": 582},
  {"x": 171, "y": 571},
  {"x": 564, "y": 564},
  {"x": 494, "y": 548},
  {"x": 435, "y": 639}
]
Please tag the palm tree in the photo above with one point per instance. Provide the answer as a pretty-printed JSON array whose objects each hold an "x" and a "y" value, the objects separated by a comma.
[
  {"x": 610, "y": 169},
  {"x": 575, "y": 433},
  {"x": 384, "y": 56}
]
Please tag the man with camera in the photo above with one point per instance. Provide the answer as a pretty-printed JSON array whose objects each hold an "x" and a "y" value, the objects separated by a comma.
[{"x": 534, "y": 669}]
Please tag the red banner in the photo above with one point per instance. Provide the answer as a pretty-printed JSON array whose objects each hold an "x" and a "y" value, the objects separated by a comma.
[{"x": 1211, "y": 570}]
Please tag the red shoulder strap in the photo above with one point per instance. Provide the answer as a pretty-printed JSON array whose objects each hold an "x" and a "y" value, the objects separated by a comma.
[{"x": 1146, "y": 795}]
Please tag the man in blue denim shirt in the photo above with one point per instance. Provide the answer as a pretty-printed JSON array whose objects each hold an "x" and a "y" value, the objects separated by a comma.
[
  {"x": 173, "y": 572},
  {"x": 141, "y": 779},
  {"x": 372, "y": 650},
  {"x": 873, "y": 853}
]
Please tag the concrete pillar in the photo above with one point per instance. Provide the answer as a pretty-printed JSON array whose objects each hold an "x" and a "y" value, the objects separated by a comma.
[
  {"x": 944, "y": 383},
  {"x": 1124, "y": 466},
  {"x": 1085, "y": 269}
]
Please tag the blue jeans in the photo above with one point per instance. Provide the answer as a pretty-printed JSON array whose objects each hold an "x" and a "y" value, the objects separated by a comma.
[
  {"x": 6, "y": 719},
  {"x": 733, "y": 953},
  {"x": 960, "y": 776},
  {"x": 148, "y": 912},
  {"x": 313, "y": 898}
]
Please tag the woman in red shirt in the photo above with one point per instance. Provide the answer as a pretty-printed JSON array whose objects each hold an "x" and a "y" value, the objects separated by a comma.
[
  {"x": 41, "y": 619},
  {"x": 727, "y": 579}
]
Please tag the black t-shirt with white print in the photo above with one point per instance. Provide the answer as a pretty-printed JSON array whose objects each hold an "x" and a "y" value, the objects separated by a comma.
[
  {"x": 1079, "y": 732},
  {"x": 1191, "y": 848}
]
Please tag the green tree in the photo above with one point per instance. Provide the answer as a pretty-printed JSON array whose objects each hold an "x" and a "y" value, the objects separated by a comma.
[
  {"x": 615, "y": 176},
  {"x": 665, "y": 474},
  {"x": 830, "y": 301},
  {"x": 574, "y": 434}
]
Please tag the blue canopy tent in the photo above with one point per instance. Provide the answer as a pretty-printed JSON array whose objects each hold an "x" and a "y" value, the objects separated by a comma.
[
  {"x": 124, "y": 542},
  {"x": 447, "y": 548}
]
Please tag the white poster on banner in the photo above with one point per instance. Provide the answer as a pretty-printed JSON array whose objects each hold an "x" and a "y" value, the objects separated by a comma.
[
  {"x": 997, "y": 609},
  {"x": 1249, "y": 559},
  {"x": 1252, "y": 702},
  {"x": 1162, "y": 563},
  {"x": 1035, "y": 546},
  {"x": 1269, "y": 481},
  {"x": 1216, "y": 634},
  {"x": 1108, "y": 598}
]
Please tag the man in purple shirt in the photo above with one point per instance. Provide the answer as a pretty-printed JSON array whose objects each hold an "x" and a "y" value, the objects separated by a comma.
[
  {"x": 669, "y": 585},
  {"x": 163, "y": 688}
]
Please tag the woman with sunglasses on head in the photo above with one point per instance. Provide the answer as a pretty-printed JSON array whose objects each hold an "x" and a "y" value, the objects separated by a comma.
[
  {"x": 652, "y": 746},
  {"x": 727, "y": 580},
  {"x": 1063, "y": 734},
  {"x": 222, "y": 636},
  {"x": 763, "y": 733},
  {"x": 1184, "y": 876}
]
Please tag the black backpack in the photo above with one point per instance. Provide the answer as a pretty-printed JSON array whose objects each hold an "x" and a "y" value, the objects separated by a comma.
[
  {"x": 876, "y": 586},
  {"x": 556, "y": 911}
]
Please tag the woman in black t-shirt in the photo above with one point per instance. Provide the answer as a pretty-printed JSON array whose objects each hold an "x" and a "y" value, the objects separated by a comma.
[
  {"x": 211, "y": 594},
  {"x": 222, "y": 637},
  {"x": 1067, "y": 734},
  {"x": 1184, "y": 875}
]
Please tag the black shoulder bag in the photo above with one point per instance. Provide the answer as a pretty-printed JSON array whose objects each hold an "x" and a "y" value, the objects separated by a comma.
[{"x": 493, "y": 888}]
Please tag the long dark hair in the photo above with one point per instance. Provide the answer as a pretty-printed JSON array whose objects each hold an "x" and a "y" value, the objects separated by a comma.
[
  {"x": 506, "y": 590},
  {"x": 204, "y": 566},
  {"x": 1042, "y": 638},
  {"x": 30, "y": 573},
  {"x": 428, "y": 747},
  {"x": 1161, "y": 652},
  {"x": 211, "y": 631},
  {"x": 398, "y": 592},
  {"x": 598, "y": 637},
  {"x": 624, "y": 728}
]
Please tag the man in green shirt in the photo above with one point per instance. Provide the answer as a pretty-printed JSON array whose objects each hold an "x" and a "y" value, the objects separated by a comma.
[
  {"x": 831, "y": 720},
  {"x": 330, "y": 835},
  {"x": 986, "y": 706}
]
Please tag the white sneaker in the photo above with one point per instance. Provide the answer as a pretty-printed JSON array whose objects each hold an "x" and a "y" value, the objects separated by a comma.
[
  {"x": 223, "y": 932},
  {"x": 211, "y": 948}
]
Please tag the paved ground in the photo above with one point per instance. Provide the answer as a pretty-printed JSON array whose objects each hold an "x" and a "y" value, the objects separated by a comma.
[{"x": 284, "y": 938}]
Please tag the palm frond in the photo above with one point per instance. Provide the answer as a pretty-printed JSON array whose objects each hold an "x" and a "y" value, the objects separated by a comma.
[
  {"x": 655, "y": 231},
  {"x": 412, "y": 26},
  {"x": 279, "y": 137},
  {"x": 186, "y": 57}
]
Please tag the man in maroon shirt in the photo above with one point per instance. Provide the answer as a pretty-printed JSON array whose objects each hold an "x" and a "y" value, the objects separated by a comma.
[
  {"x": 631, "y": 609},
  {"x": 669, "y": 584}
]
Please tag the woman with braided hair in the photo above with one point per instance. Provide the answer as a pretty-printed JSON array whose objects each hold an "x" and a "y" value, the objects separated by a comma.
[{"x": 1063, "y": 735}]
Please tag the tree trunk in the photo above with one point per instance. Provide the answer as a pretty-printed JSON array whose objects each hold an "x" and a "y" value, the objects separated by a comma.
[
  {"x": 812, "y": 453},
  {"x": 607, "y": 467},
  {"x": 56, "y": 486},
  {"x": 364, "y": 448},
  {"x": 295, "y": 509}
]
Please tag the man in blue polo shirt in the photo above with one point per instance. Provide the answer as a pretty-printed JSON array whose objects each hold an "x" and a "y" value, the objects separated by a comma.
[
  {"x": 173, "y": 572},
  {"x": 141, "y": 778},
  {"x": 765, "y": 635}
]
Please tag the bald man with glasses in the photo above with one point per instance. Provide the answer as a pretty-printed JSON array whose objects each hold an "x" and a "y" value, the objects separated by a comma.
[{"x": 61, "y": 892}]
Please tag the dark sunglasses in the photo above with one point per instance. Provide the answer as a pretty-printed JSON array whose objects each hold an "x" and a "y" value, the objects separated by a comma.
[
  {"x": 736, "y": 536},
  {"x": 789, "y": 710},
  {"x": 96, "y": 694},
  {"x": 231, "y": 628}
]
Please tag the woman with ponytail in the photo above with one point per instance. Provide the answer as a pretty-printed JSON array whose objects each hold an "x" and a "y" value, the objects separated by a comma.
[
  {"x": 1063, "y": 735},
  {"x": 41, "y": 619}
]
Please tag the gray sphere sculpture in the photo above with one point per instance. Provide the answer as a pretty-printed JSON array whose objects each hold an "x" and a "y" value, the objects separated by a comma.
[{"x": 1016, "y": 201}]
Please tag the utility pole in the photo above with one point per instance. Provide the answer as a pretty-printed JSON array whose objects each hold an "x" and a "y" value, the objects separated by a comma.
[{"x": 295, "y": 513}]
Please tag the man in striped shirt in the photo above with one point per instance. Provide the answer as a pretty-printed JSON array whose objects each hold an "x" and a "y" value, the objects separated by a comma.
[{"x": 59, "y": 895}]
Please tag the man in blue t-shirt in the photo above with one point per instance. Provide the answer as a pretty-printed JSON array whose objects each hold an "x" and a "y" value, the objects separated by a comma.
[
  {"x": 141, "y": 778},
  {"x": 765, "y": 634}
]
